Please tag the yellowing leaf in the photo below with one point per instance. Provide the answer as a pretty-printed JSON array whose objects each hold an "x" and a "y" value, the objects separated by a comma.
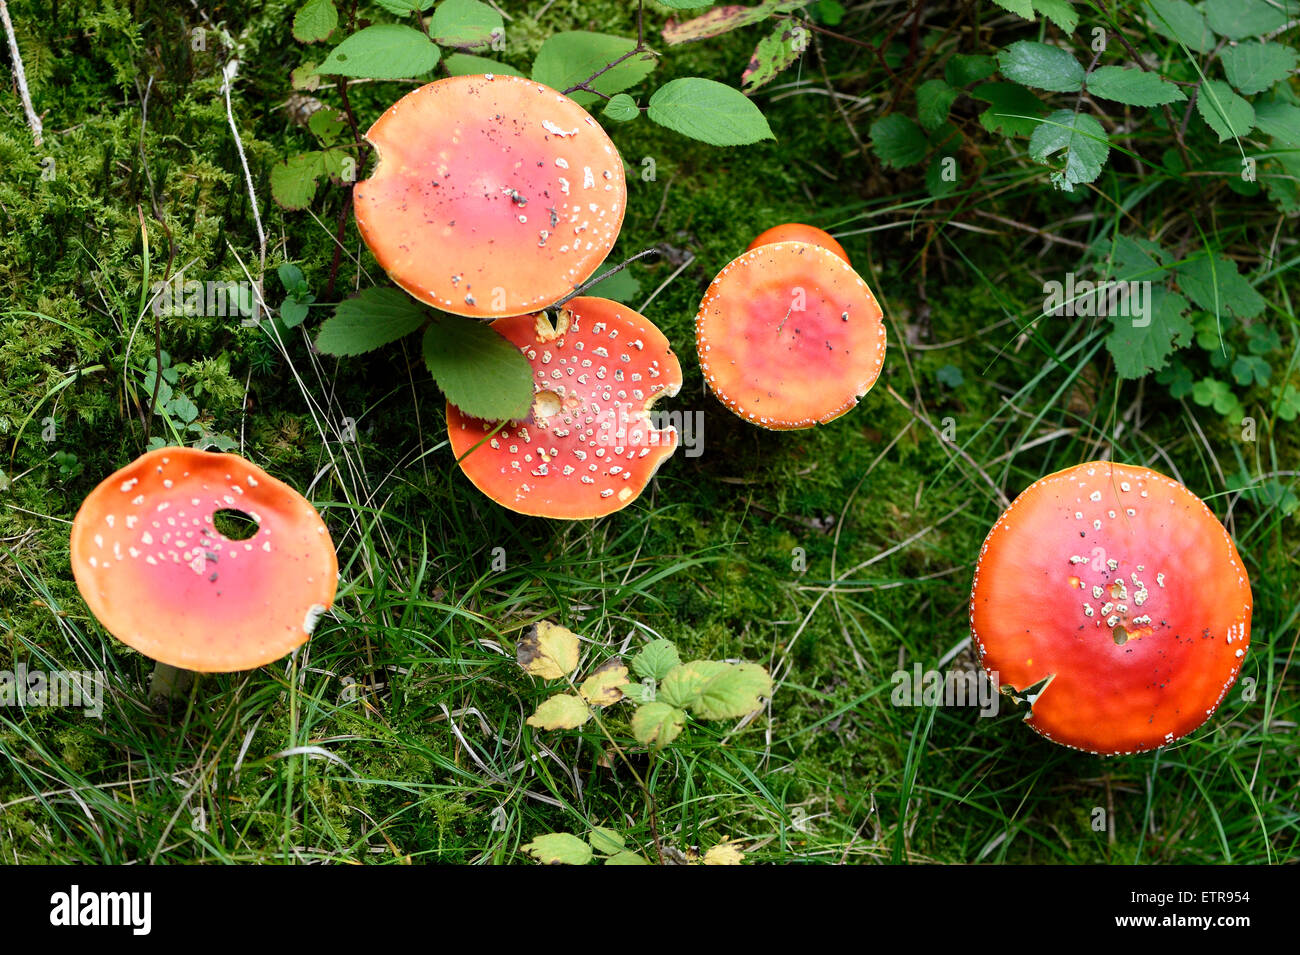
[
  {"x": 548, "y": 650},
  {"x": 601, "y": 688},
  {"x": 563, "y": 711},
  {"x": 716, "y": 691},
  {"x": 657, "y": 724},
  {"x": 604, "y": 840},
  {"x": 559, "y": 848},
  {"x": 627, "y": 857}
]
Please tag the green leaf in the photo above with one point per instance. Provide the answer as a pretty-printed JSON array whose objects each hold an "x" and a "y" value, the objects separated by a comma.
[
  {"x": 559, "y": 848},
  {"x": 563, "y": 711},
  {"x": 326, "y": 124},
  {"x": 942, "y": 177},
  {"x": 1248, "y": 369},
  {"x": 950, "y": 375},
  {"x": 714, "y": 690},
  {"x": 774, "y": 53},
  {"x": 657, "y": 724},
  {"x": 1080, "y": 138},
  {"x": 1131, "y": 259},
  {"x": 371, "y": 320},
  {"x": 1041, "y": 66},
  {"x": 402, "y": 8},
  {"x": 709, "y": 111},
  {"x": 735, "y": 692},
  {"x": 548, "y": 650},
  {"x": 183, "y": 408},
  {"x": 480, "y": 371},
  {"x": 1012, "y": 108},
  {"x": 964, "y": 69},
  {"x": 1134, "y": 87},
  {"x": 1253, "y": 67},
  {"x": 621, "y": 108},
  {"x": 1263, "y": 339},
  {"x": 1021, "y": 8},
  {"x": 386, "y": 51},
  {"x": 467, "y": 64},
  {"x": 1139, "y": 349},
  {"x": 1279, "y": 120},
  {"x": 1210, "y": 392},
  {"x": 1288, "y": 401},
  {"x": 1214, "y": 284},
  {"x": 315, "y": 21},
  {"x": 1177, "y": 379},
  {"x": 567, "y": 59},
  {"x": 293, "y": 180},
  {"x": 897, "y": 141},
  {"x": 621, "y": 286},
  {"x": 627, "y": 857},
  {"x": 292, "y": 312},
  {"x": 638, "y": 692},
  {"x": 1060, "y": 12},
  {"x": 656, "y": 659},
  {"x": 1238, "y": 19},
  {"x": 605, "y": 841},
  {"x": 290, "y": 276},
  {"x": 465, "y": 24},
  {"x": 934, "y": 98},
  {"x": 1180, "y": 21}
]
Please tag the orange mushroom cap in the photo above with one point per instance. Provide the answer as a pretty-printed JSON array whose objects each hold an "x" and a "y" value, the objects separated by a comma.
[
  {"x": 494, "y": 195},
  {"x": 798, "y": 232},
  {"x": 789, "y": 336},
  {"x": 1119, "y": 587},
  {"x": 588, "y": 447},
  {"x": 160, "y": 577}
]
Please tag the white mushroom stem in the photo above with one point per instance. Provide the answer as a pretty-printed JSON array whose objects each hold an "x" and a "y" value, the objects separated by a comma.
[{"x": 169, "y": 682}]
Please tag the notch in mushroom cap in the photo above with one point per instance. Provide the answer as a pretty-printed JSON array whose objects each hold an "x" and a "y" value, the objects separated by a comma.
[
  {"x": 494, "y": 195},
  {"x": 798, "y": 232},
  {"x": 1115, "y": 602},
  {"x": 588, "y": 447},
  {"x": 157, "y": 573},
  {"x": 789, "y": 336}
]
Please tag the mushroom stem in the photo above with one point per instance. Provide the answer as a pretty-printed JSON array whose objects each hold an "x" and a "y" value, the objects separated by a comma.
[{"x": 169, "y": 682}]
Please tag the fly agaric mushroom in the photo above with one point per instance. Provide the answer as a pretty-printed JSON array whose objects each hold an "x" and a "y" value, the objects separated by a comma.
[
  {"x": 1113, "y": 601},
  {"x": 798, "y": 232},
  {"x": 493, "y": 195},
  {"x": 789, "y": 336},
  {"x": 588, "y": 447},
  {"x": 158, "y": 574}
]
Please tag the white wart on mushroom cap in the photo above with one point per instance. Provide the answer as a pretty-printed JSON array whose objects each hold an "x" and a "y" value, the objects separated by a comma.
[
  {"x": 589, "y": 446},
  {"x": 1114, "y": 594},
  {"x": 157, "y": 573},
  {"x": 493, "y": 196}
]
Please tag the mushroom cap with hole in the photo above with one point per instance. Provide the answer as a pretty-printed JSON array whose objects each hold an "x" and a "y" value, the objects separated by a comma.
[
  {"x": 798, "y": 232},
  {"x": 588, "y": 446},
  {"x": 493, "y": 195},
  {"x": 159, "y": 576},
  {"x": 789, "y": 336},
  {"x": 1118, "y": 589}
]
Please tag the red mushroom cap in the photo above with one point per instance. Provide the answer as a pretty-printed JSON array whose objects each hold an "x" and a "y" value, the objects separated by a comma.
[
  {"x": 1119, "y": 587},
  {"x": 588, "y": 447},
  {"x": 160, "y": 577},
  {"x": 493, "y": 196},
  {"x": 798, "y": 232},
  {"x": 789, "y": 336}
]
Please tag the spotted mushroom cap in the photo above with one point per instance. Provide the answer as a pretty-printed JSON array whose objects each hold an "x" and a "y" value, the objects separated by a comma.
[
  {"x": 588, "y": 447},
  {"x": 160, "y": 577},
  {"x": 798, "y": 232},
  {"x": 1118, "y": 587},
  {"x": 494, "y": 195},
  {"x": 789, "y": 336}
]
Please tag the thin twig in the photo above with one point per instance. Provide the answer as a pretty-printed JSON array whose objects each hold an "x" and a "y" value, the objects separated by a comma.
[
  {"x": 20, "y": 75},
  {"x": 604, "y": 275}
]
